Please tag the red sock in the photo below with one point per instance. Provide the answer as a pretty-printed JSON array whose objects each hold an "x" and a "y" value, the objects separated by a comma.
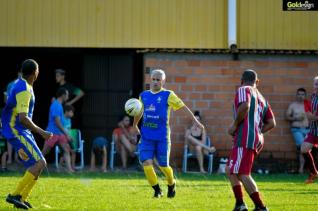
[
  {"x": 237, "y": 190},
  {"x": 257, "y": 200},
  {"x": 310, "y": 162}
]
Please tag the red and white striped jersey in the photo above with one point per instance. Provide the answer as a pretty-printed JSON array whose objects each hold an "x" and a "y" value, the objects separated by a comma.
[
  {"x": 248, "y": 133},
  {"x": 314, "y": 109}
]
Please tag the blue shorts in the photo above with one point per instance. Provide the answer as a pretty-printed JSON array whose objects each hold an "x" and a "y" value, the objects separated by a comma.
[
  {"x": 159, "y": 149},
  {"x": 99, "y": 142},
  {"x": 27, "y": 149},
  {"x": 299, "y": 135}
]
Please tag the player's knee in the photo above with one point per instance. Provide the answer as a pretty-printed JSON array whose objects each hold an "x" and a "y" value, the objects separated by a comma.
[{"x": 147, "y": 163}]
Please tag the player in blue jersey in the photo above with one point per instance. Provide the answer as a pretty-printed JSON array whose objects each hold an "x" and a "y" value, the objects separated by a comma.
[
  {"x": 155, "y": 130},
  {"x": 17, "y": 126}
]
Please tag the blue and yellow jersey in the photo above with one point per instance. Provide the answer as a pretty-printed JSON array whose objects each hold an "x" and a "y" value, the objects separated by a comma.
[
  {"x": 21, "y": 100},
  {"x": 157, "y": 106}
]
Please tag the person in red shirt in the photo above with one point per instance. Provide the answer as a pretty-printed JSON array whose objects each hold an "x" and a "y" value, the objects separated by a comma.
[
  {"x": 312, "y": 138},
  {"x": 253, "y": 117}
]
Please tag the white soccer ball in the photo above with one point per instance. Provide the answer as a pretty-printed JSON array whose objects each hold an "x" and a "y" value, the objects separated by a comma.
[{"x": 133, "y": 107}]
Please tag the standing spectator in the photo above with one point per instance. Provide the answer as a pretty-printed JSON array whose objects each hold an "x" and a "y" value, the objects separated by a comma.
[
  {"x": 99, "y": 147},
  {"x": 253, "y": 117},
  {"x": 55, "y": 125},
  {"x": 19, "y": 110},
  {"x": 125, "y": 140},
  {"x": 196, "y": 140},
  {"x": 298, "y": 123},
  {"x": 312, "y": 138},
  {"x": 74, "y": 92},
  {"x": 155, "y": 130}
]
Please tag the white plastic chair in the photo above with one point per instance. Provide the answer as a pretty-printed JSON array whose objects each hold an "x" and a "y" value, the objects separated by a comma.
[{"x": 187, "y": 154}]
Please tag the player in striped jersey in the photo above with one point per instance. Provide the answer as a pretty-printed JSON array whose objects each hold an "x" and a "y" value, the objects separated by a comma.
[
  {"x": 253, "y": 117},
  {"x": 312, "y": 138}
]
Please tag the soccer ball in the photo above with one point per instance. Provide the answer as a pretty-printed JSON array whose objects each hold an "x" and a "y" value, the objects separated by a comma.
[{"x": 133, "y": 107}]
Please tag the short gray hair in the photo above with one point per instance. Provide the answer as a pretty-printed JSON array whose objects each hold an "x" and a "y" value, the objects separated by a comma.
[{"x": 159, "y": 71}]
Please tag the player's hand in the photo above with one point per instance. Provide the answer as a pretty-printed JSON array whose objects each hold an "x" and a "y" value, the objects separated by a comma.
[
  {"x": 135, "y": 130},
  {"x": 46, "y": 135},
  {"x": 231, "y": 130}
]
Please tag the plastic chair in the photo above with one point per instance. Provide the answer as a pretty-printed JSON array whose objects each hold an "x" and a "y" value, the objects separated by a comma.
[
  {"x": 187, "y": 154},
  {"x": 78, "y": 145},
  {"x": 113, "y": 152}
]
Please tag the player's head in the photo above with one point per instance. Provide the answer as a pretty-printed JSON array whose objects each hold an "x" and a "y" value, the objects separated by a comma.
[
  {"x": 249, "y": 77},
  {"x": 30, "y": 68},
  {"x": 316, "y": 84},
  {"x": 59, "y": 75},
  {"x": 300, "y": 94},
  {"x": 69, "y": 111},
  {"x": 158, "y": 78},
  {"x": 62, "y": 94}
]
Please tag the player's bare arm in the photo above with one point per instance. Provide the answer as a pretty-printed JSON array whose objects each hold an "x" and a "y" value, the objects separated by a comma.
[
  {"x": 241, "y": 114},
  {"x": 137, "y": 118},
  {"x": 189, "y": 114},
  {"x": 268, "y": 125},
  {"x": 28, "y": 123}
]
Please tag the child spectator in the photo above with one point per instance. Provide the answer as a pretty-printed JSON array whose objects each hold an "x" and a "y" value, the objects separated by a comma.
[
  {"x": 99, "y": 147},
  {"x": 67, "y": 123}
]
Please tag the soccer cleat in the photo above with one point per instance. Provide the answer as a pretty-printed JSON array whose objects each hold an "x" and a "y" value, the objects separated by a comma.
[
  {"x": 158, "y": 191},
  {"x": 241, "y": 207},
  {"x": 16, "y": 201},
  {"x": 171, "y": 190},
  {"x": 311, "y": 178},
  {"x": 28, "y": 204},
  {"x": 158, "y": 194}
]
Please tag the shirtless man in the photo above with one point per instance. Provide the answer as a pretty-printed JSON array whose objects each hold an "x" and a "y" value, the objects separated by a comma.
[{"x": 298, "y": 123}]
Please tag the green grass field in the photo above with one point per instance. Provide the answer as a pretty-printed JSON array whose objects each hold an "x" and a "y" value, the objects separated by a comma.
[{"x": 130, "y": 191}]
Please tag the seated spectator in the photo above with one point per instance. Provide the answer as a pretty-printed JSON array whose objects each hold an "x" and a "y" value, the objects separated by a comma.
[
  {"x": 55, "y": 126},
  {"x": 3, "y": 150},
  {"x": 299, "y": 124},
  {"x": 196, "y": 138},
  {"x": 125, "y": 141},
  {"x": 99, "y": 147}
]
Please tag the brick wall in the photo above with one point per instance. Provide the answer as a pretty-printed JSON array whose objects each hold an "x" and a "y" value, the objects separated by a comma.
[{"x": 208, "y": 83}]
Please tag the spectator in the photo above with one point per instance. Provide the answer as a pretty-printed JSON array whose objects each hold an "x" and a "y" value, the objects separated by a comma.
[
  {"x": 67, "y": 123},
  {"x": 299, "y": 123},
  {"x": 74, "y": 92},
  {"x": 196, "y": 138},
  {"x": 125, "y": 140},
  {"x": 99, "y": 146},
  {"x": 60, "y": 135}
]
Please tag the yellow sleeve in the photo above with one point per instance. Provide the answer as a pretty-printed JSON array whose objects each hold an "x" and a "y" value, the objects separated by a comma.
[
  {"x": 174, "y": 101},
  {"x": 23, "y": 102}
]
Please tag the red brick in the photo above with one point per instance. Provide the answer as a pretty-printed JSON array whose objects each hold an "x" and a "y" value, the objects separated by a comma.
[
  {"x": 194, "y": 63},
  {"x": 181, "y": 63},
  {"x": 180, "y": 79},
  {"x": 200, "y": 88},
  {"x": 151, "y": 62}
]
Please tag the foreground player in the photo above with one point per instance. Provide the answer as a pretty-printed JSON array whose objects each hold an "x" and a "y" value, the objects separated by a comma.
[
  {"x": 155, "y": 130},
  {"x": 312, "y": 138},
  {"x": 253, "y": 117},
  {"x": 17, "y": 126}
]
